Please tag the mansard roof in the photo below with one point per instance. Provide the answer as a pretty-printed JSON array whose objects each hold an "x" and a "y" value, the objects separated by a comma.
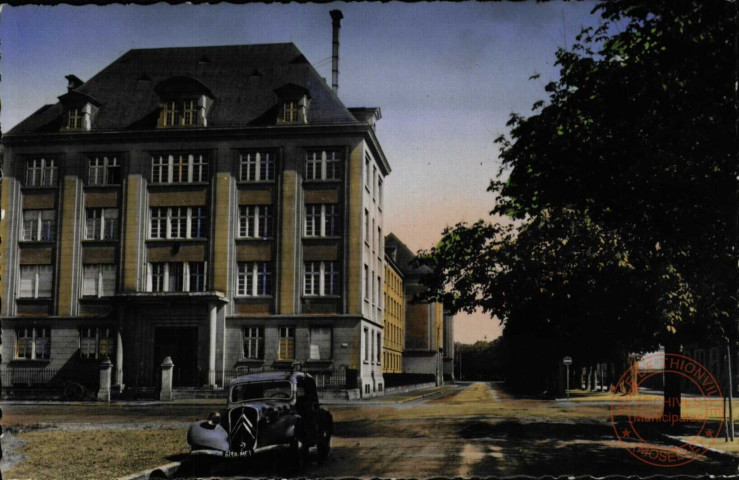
[{"x": 125, "y": 89}]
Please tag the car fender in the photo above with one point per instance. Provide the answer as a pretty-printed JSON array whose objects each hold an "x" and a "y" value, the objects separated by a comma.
[
  {"x": 291, "y": 425},
  {"x": 205, "y": 435}
]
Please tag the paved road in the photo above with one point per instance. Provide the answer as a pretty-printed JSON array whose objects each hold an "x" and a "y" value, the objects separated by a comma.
[{"x": 472, "y": 430}]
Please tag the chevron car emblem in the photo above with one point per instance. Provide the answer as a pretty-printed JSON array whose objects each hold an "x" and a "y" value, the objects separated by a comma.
[{"x": 244, "y": 423}]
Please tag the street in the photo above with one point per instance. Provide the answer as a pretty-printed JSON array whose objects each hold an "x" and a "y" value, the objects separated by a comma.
[{"x": 460, "y": 431}]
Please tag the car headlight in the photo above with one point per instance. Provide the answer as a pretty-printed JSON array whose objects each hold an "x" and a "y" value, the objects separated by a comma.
[{"x": 213, "y": 420}]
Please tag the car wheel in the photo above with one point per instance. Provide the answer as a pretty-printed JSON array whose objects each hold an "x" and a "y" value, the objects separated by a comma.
[{"x": 324, "y": 446}]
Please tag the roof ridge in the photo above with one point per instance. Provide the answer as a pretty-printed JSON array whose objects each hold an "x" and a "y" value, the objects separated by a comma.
[{"x": 192, "y": 47}]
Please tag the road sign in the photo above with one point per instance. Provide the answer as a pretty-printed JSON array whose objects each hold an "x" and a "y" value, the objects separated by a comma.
[{"x": 567, "y": 361}]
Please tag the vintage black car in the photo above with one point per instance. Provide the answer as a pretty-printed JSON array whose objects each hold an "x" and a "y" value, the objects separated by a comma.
[{"x": 266, "y": 411}]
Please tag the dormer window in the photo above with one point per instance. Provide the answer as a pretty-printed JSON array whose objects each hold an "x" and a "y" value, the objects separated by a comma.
[
  {"x": 79, "y": 108},
  {"x": 294, "y": 104},
  {"x": 183, "y": 113},
  {"x": 79, "y": 118},
  {"x": 290, "y": 112},
  {"x": 74, "y": 119},
  {"x": 184, "y": 103}
]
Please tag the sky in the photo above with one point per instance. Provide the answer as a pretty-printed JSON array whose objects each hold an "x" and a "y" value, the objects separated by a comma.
[{"x": 446, "y": 76}]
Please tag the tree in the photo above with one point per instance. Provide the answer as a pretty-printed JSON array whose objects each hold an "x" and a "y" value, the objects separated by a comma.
[{"x": 622, "y": 187}]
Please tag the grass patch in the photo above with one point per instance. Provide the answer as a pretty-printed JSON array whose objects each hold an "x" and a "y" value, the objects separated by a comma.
[
  {"x": 580, "y": 396},
  {"x": 95, "y": 454}
]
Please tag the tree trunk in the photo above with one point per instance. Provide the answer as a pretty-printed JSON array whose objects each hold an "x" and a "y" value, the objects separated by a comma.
[{"x": 673, "y": 388}]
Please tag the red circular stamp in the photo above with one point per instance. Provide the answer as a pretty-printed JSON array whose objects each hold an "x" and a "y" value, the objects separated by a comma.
[{"x": 664, "y": 430}]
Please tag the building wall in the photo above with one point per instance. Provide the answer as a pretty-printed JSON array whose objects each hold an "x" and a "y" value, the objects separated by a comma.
[
  {"x": 349, "y": 313},
  {"x": 394, "y": 325},
  {"x": 370, "y": 184}
]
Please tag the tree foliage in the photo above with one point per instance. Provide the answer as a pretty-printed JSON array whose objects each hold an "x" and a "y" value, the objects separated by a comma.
[{"x": 621, "y": 188}]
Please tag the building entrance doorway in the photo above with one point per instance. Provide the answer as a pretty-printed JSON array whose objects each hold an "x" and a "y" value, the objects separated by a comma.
[{"x": 181, "y": 345}]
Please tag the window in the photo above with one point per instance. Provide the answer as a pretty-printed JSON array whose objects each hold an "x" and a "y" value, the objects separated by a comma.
[
  {"x": 322, "y": 220},
  {"x": 253, "y": 343},
  {"x": 374, "y": 183},
  {"x": 379, "y": 346},
  {"x": 189, "y": 112},
  {"x": 379, "y": 244},
  {"x": 197, "y": 276},
  {"x": 98, "y": 280},
  {"x": 379, "y": 193},
  {"x": 366, "y": 282},
  {"x": 178, "y": 222},
  {"x": 255, "y": 221},
  {"x": 321, "y": 278},
  {"x": 179, "y": 168},
  {"x": 366, "y": 345},
  {"x": 371, "y": 236},
  {"x": 101, "y": 224},
  {"x": 176, "y": 277},
  {"x": 39, "y": 225},
  {"x": 41, "y": 172},
  {"x": 320, "y": 343},
  {"x": 35, "y": 281},
  {"x": 367, "y": 171},
  {"x": 33, "y": 343},
  {"x": 254, "y": 279},
  {"x": 171, "y": 114},
  {"x": 323, "y": 165},
  {"x": 256, "y": 166},
  {"x": 103, "y": 170},
  {"x": 379, "y": 289},
  {"x": 74, "y": 119},
  {"x": 198, "y": 222},
  {"x": 157, "y": 275},
  {"x": 290, "y": 111},
  {"x": 96, "y": 343},
  {"x": 287, "y": 344},
  {"x": 180, "y": 113},
  {"x": 367, "y": 231}
]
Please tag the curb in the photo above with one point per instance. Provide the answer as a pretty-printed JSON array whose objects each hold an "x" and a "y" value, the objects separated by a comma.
[
  {"x": 712, "y": 453},
  {"x": 160, "y": 472}
]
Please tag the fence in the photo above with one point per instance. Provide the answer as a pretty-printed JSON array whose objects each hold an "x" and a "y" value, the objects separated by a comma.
[
  {"x": 68, "y": 382},
  {"x": 326, "y": 379}
]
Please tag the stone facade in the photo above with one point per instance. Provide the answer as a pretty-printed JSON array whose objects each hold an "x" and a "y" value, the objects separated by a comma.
[{"x": 228, "y": 241}]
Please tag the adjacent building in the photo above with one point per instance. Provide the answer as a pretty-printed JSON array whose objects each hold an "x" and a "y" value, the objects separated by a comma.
[
  {"x": 394, "y": 326},
  {"x": 424, "y": 321},
  {"x": 217, "y": 205}
]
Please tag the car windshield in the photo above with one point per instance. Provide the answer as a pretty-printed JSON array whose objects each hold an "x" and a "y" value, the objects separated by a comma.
[{"x": 260, "y": 390}]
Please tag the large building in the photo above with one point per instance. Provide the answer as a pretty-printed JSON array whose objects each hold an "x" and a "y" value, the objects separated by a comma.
[
  {"x": 423, "y": 348},
  {"x": 217, "y": 205}
]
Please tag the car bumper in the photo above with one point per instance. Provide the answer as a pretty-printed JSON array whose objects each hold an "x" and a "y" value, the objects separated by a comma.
[{"x": 237, "y": 455}]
